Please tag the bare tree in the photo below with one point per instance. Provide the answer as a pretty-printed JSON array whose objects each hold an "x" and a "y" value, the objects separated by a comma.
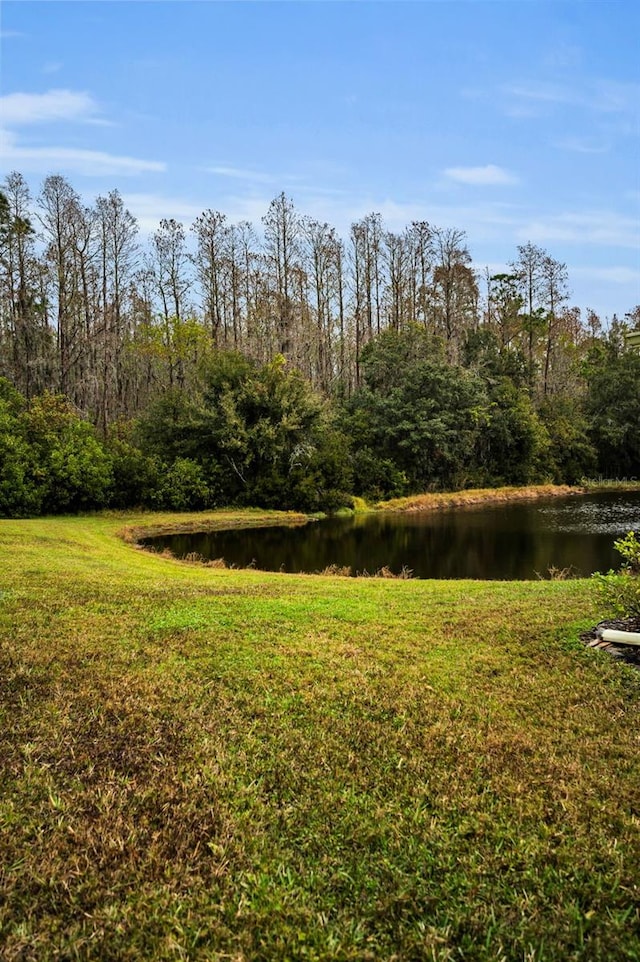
[
  {"x": 252, "y": 284},
  {"x": 282, "y": 235},
  {"x": 455, "y": 288},
  {"x": 118, "y": 259},
  {"x": 324, "y": 254},
  {"x": 420, "y": 238},
  {"x": 58, "y": 205},
  {"x": 400, "y": 295},
  {"x": 504, "y": 308},
  {"x": 211, "y": 231},
  {"x": 554, "y": 289},
  {"x": 528, "y": 269},
  {"x": 25, "y": 335},
  {"x": 367, "y": 281},
  {"x": 171, "y": 265}
]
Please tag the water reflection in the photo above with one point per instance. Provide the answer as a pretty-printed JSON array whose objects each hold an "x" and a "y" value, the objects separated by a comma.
[{"x": 502, "y": 541}]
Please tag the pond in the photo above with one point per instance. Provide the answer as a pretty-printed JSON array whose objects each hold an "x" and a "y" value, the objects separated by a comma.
[{"x": 502, "y": 541}]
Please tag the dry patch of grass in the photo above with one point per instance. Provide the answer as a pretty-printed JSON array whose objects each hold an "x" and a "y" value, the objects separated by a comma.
[
  {"x": 210, "y": 764},
  {"x": 453, "y": 499},
  {"x": 156, "y": 523}
]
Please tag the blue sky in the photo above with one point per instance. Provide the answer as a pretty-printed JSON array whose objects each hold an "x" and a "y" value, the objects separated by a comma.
[{"x": 514, "y": 121}]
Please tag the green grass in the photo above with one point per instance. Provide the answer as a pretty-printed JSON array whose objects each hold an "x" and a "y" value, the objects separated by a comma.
[{"x": 212, "y": 764}]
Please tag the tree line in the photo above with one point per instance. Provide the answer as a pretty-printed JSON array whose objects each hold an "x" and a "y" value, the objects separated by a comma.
[{"x": 288, "y": 366}]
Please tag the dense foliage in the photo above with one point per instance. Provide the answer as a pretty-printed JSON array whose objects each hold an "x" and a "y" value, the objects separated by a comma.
[
  {"x": 51, "y": 460},
  {"x": 252, "y": 435},
  {"x": 246, "y": 433},
  {"x": 290, "y": 370}
]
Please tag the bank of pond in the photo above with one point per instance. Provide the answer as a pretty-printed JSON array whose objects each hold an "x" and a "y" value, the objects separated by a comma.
[{"x": 494, "y": 540}]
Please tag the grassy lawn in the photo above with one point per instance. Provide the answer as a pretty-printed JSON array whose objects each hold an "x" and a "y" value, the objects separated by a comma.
[{"x": 208, "y": 764}]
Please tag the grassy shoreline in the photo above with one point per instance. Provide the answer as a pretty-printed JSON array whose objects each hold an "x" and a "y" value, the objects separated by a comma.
[
  {"x": 213, "y": 764},
  {"x": 472, "y": 496}
]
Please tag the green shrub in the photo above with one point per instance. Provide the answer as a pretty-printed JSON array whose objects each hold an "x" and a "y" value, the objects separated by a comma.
[
  {"x": 185, "y": 487},
  {"x": 50, "y": 459},
  {"x": 136, "y": 475},
  {"x": 377, "y": 478},
  {"x": 621, "y": 590},
  {"x": 73, "y": 468},
  {"x": 629, "y": 548}
]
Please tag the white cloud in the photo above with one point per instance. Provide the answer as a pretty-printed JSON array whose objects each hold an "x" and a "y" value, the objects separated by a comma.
[
  {"x": 609, "y": 275},
  {"x": 611, "y": 96},
  {"x": 89, "y": 163},
  {"x": 21, "y": 109},
  {"x": 576, "y": 145},
  {"x": 490, "y": 174},
  {"x": 590, "y": 227},
  {"x": 607, "y": 290},
  {"x": 240, "y": 173},
  {"x": 295, "y": 183},
  {"x": 562, "y": 55},
  {"x": 150, "y": 209},
  {"x": 481, "y": 221},
  {"x": 597, "y": 94},
  {"x": 541, "y": 92}
]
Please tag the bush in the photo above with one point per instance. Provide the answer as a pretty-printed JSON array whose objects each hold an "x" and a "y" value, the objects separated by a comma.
[
  {"x": 20, "y": 497},
  {"x": 136, "y": 475},
  {"x": 73, "y": 468},
  {"x": 376, "y": 478},
  {"x": 185, "y": 487},
  {"x": 621, "y": 590},
  {"x": 629, "y": 548},
  {"x": 50, "y": 459}
]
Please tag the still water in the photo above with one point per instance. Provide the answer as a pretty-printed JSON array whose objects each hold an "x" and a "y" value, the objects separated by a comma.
[{"x": 512, "y": 541}]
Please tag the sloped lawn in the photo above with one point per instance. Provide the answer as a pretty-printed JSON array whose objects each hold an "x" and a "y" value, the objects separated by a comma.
[{"x": 208, "y": 764}]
